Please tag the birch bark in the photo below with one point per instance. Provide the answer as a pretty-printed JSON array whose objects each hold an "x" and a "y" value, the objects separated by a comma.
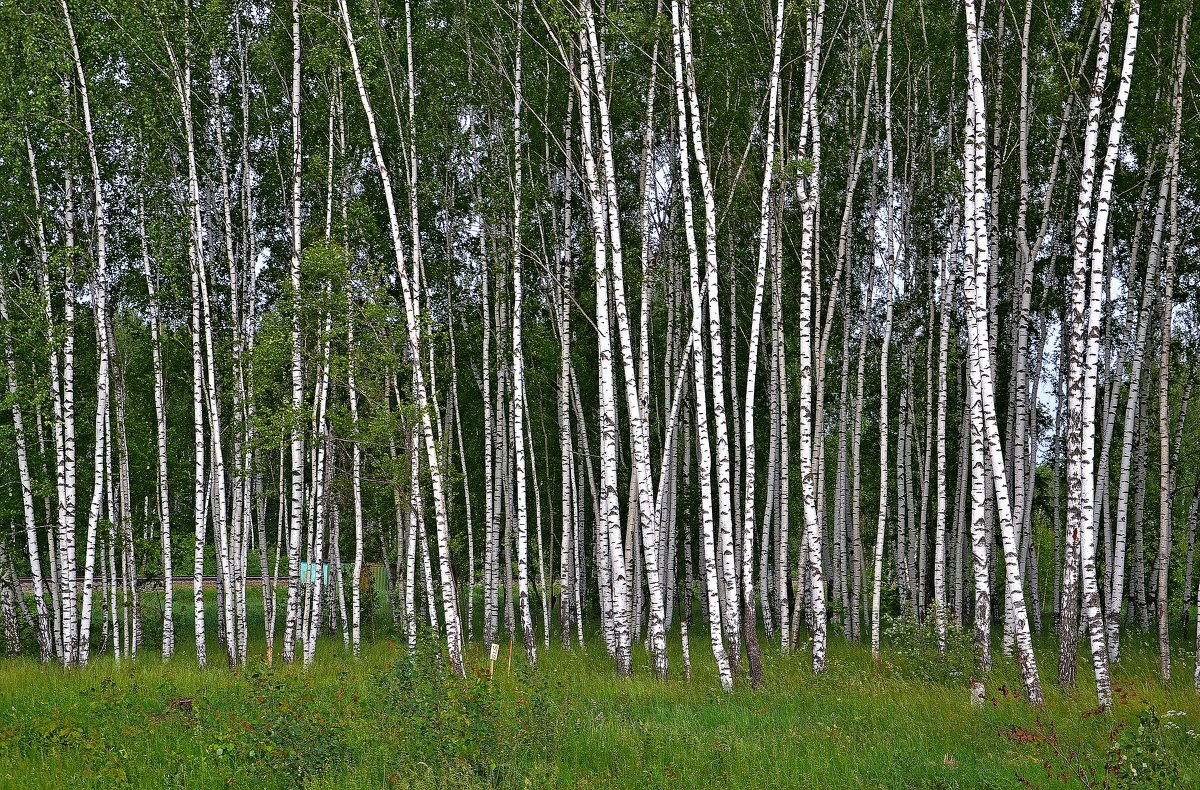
[{"x": 412, "y": 320}]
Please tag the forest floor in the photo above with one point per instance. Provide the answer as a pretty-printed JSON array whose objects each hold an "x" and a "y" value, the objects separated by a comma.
[{"x": 383, "y": 721}]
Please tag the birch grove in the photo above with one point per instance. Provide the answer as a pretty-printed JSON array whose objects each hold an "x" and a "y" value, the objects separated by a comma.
[{"x": 816, "y": 324}]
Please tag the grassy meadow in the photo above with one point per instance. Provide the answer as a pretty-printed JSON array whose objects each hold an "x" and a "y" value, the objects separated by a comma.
[{"x": 388, "y": 721}]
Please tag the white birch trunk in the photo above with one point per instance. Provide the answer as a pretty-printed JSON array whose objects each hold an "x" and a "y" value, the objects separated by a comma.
[
  {"x": 412, "y": 319},
  {"x": 1166, "y": 486},
  {"x": 45, "y": 640},
  {"x": 518, "y": 362},
  {"x": 699, "y": 379},
  {"x": 296, "y": 520},
  {"x": 100, "y": 300},
  {"x": 977, "y": 300},
  {"x": 730, "y": 616},
  {"x": 890, "y": 256}
]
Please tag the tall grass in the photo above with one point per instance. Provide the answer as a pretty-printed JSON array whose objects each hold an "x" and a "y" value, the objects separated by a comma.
[{"x": 386, "y": 720}]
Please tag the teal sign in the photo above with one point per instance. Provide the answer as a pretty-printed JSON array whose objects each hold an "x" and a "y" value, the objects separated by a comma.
[{"x": 308, "y": 572}]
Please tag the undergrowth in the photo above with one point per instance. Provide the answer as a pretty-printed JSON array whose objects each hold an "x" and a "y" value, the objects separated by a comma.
[{"x": 393, "y": 720}]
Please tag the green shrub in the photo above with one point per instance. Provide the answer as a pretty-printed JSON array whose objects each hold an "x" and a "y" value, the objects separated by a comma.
[
  {"x": 1141, "y": 756},
  {"x": 286, "y": 732},
  {"x": 912, "y": 650},
  {"x": 482, "y": 725}
]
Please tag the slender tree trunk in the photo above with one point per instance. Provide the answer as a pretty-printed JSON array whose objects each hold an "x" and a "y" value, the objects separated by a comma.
[
  {"x": 939, "y": 540},
  {"x": 981, "y": 369},
  {"x": 811, "y": 448},
  {"x": 730, "y": 616},
  {"x": 412, "y": 320},
  {"x": 518, "y": 363},
  {"x": 749, "y": 455},
  {"x": 44, "y": 636},
  {"x": 1165, "y": 486},
  {"x": 699, "y": 377}
]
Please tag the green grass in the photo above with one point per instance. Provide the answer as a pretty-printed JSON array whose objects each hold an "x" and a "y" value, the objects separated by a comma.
[{"x": 382, "y": 721}]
